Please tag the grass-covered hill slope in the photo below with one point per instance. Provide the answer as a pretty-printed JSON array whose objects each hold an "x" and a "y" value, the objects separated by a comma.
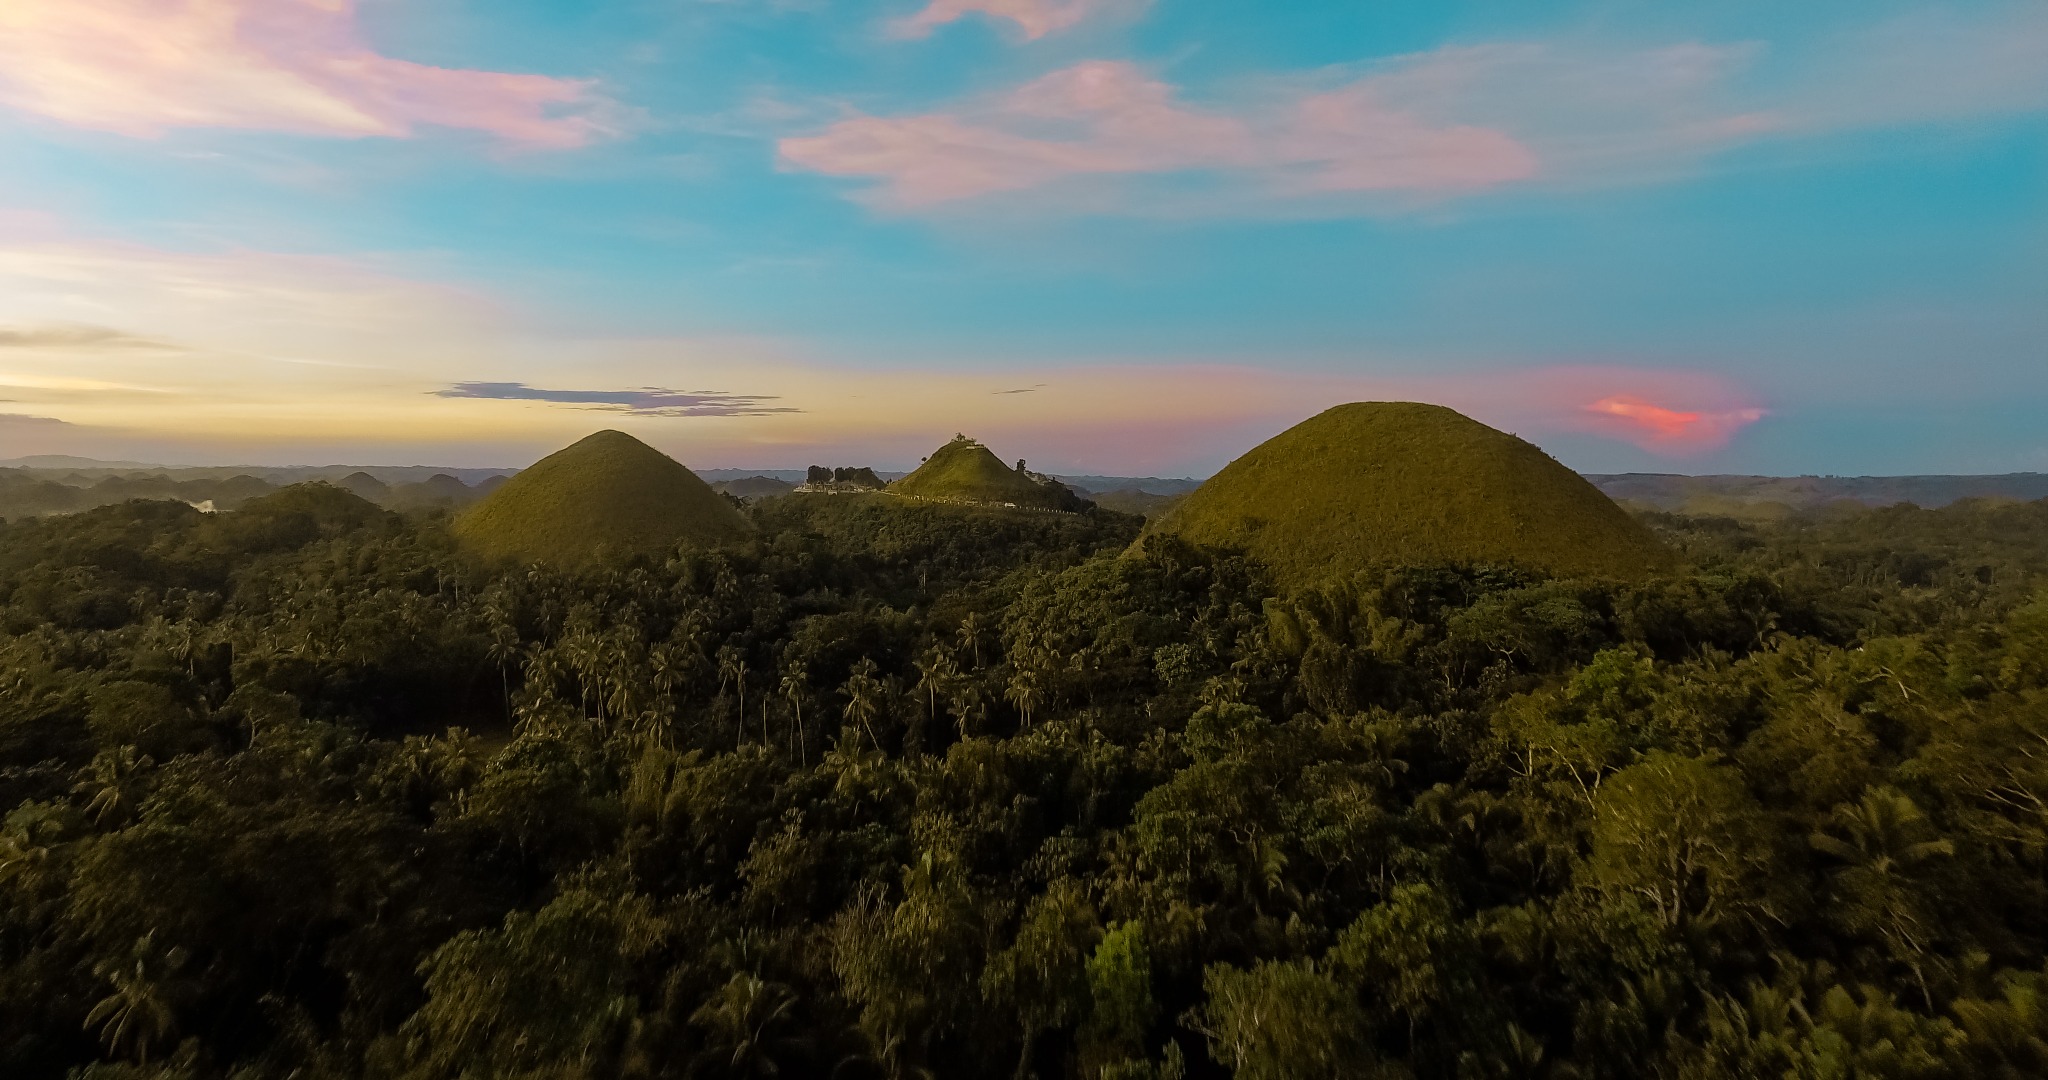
[
  {"x": 1375, "y": 483},
  {"x": 966, "y": 471},
  {"x": 608, "y": 496}
]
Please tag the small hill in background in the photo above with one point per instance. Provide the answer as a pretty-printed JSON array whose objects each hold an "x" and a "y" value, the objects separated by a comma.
[
  {"x": 1149, "y": 485},
  {"x": 438, "y": 492},
  {"x": 1375, "y": 483},
  {"x": 1143, "y": 503},
  {"x": 754, "y": 487},
  {"x": 964, "y": 471},
  {"x": 365, "y": 486},
  {"x": 608, "y": 496}
]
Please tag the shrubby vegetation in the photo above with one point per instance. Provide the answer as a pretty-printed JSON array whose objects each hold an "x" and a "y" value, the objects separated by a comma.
[{"x": 892, "y": 790}]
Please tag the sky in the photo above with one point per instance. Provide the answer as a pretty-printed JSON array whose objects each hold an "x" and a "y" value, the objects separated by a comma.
[{"x": 1106, "y": 236}]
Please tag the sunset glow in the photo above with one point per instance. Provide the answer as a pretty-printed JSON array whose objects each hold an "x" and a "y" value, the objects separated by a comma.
[
  {"x": 1113, "y": 236},
  {"x": 1657, "y": 426}
]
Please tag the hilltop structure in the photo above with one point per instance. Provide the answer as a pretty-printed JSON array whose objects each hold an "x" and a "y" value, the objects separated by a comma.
[
  {"x": 1377, "y": 483},
  {"x": 609, "y": 496},
  {"x": 964, "y": 471}
]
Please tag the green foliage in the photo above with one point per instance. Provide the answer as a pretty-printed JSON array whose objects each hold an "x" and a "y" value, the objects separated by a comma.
[
  {"x": 547, "y": 994},
  {"x": 1378, "y": 483},
  {"x": 1121, "y": 1009},
  {"x": 892, "y": 788},
  {"x": 608, "y": 497},
  {"x": 1685, "y": 840},
  {"x": 1284, "y": 1021}
]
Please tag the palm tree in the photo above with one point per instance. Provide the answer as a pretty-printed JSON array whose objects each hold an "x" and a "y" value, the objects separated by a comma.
[
  {"x": 728, "y": 667},
  {"x": 29, "y": 834},
  {"x": 1883, "y": 840},
  {"x": 936, "y": 672},
  {"x": 972, "y": 631},
  {"x": 585, "y": 661},
  {"x": 749, "y": 1028},
  {"x": 185, "y": 639},
  {"x": 1023, "y": 692},
  {"x": 967, "y": 706},
  {"x": 739, "y": 676},
  {"x": 138, "y": 1014},
  {"x": 668, "y": 667},
  {"x": 110, "y": 780},
  {"x": 545, "y": 670},
  {"x": 795, "y": 680},
  {"x": 622, "y": 670},
  {"x": 864, "y": 698},
  {"x": 1883, "y": 833},
  {"x": 504, "y": 648}
]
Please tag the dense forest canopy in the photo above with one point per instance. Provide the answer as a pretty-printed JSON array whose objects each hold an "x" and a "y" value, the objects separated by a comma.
[{"x": 893, "y": 790}]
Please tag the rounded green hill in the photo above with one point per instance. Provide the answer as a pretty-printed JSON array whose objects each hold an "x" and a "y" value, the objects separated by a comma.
[
  {"x": 609, "y": 496},
  {"x": 1382, "y": 483},
  {"x": 964, "y": 471}
]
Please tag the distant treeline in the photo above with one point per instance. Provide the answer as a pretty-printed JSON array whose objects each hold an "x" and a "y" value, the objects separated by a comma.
[{"x": 1767, "y": 497}]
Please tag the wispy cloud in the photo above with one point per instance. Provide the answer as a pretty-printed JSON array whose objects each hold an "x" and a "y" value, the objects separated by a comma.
[
  {"x": 644, "y": 401},
  {"x": 62, "y": 287},
  {"x": 1560, "y": 114},
  {"x": 1110, "y": 118},
  {"x": 14, "y": 421},
  {"x": 73, "y": 337},
  {"x": 1034, "y": 19},
  {"x": 142, "y": 67}
]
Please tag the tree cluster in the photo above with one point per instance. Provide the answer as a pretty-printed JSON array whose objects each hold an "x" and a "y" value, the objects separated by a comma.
[{"x": 906, "y": 790}]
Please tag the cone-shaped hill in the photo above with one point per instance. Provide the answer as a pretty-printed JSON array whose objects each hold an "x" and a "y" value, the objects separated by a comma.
[
  {"x": 609, "y": 496},
  {"x": 966, "y": 471},
  {"x": 1378, "y": 483}
]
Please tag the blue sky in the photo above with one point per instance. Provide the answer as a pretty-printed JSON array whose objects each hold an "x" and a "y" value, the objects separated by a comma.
[{"x": 1107, "y": 235}]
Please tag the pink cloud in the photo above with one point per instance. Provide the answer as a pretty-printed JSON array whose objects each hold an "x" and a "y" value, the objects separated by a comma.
[
  {"x": 1670, "y": 411},
  {"x": 1573, "y": 113},
  {"x": 1108, "y": 118},
  {"x": 1035, "y": 18},
  {"x": 141, "y": 67},
  {"x": 1676, "y": 412},
  {"x": 1655, "y": 427}
]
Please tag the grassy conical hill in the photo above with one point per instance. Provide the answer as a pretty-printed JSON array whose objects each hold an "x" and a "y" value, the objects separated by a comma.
[
  {"x": 609, "y": 496},
  {"x": 1378, "y": 483},
  {"x": 966, "y": 471}
]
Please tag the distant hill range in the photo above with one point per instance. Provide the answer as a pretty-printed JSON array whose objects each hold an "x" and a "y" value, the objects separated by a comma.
[
  {"x": 1782, "y": 496},
  {"x": 55, "y": 483},
  {"x": 277, "y": 475}
]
